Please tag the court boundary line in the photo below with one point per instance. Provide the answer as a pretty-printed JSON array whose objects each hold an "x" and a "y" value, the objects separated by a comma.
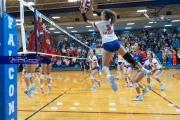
[
  {"x": 37, "y": 111},
  {"x": 164, "y": 98},
  {"x": 135, "y": 113}
]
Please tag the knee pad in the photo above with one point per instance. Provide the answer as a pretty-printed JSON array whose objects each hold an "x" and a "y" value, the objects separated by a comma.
[
  {"x": 147, "y": 76},
  {"x": 32, "y": 74},
  {"x": 28, "y": 75},
  {"x": 155, "y": 77},
  {"x": 92, "y": 77},
  {"x": 125, "y": 76},
  {"x": 130, "y": 59},
  {"x": 129, "y": 76},
  {"x": 104, "y": 67},
  {"x": 41, "y": 76},
  {"x": 136, "y": 85},
  {"x": 48, "y": 76}
]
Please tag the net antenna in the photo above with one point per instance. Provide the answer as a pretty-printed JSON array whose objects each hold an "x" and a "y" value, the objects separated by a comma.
[{"x": 22, "y": 4}]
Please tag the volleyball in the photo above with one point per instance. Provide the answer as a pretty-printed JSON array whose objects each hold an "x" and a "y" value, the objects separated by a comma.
[{"x": 85, "y": 3}]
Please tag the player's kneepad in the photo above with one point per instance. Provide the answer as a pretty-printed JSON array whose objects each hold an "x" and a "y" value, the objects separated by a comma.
[
  {"x": 130, "y": 59},
  {"x": 32, "y": 74},
  {"x": 125, "y": 75},
  {"x": 48, "y": 76},
  {"x": 91, "y": 77},
  {"x": 147, "y": 76},
  {"x": 136, "y": 85},
  {"x": 104, "y": 68},
  {"x": 155, "y": 77},
  {"x": 41, "y": 76},
  {"x": 28, "y": 75}
]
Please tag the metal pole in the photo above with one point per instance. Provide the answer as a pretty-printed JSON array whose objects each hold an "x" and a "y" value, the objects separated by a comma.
[
  {"x": 1, "y": 8},
  {"x": 35, "y": 31},
  {"x": 4, "y": 7}
]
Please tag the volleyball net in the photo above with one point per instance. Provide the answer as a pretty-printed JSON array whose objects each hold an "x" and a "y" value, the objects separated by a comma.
[{"x": 51, "y": 23}]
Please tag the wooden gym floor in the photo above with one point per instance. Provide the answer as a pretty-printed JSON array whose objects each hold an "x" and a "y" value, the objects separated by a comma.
[{"x": 71, "y": 99}]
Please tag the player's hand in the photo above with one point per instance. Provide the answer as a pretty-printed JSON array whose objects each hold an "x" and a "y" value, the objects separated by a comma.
[
  {"x": 44, "y": 27},
  {"x": 47, "y": 31},
  {"x": 91, "y": 9},
  {"x": 83, "y": 10}
]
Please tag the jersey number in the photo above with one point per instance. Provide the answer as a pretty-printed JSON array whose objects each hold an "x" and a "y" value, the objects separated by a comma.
[{"x": 108, "y": 27}]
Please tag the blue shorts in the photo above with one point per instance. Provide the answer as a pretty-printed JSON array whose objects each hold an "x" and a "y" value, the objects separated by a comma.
[
  {"x": 128, "y": 66},
  {"x": 120, "y": 63},
  {"x": 31, "y": 54},
  {"x": 112, "y": 46},
  {"x": 46, "y": 60},
  {"x": 96, "y": 68},
  {"x": 159, "y": 69}
]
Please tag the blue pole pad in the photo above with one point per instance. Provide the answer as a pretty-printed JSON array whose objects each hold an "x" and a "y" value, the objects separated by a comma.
[{"x": 8, "y": 73}]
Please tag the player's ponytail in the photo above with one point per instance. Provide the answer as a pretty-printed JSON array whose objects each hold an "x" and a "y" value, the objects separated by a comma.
[{"x": 110, "y": 15}]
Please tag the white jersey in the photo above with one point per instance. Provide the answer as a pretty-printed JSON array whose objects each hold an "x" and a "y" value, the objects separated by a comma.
[
  {"x": 120, "y": 58},
  {"x": 93, "y": 61},
  {"x": 153, "y": 64},
  {"x": 106, "y": 30}
]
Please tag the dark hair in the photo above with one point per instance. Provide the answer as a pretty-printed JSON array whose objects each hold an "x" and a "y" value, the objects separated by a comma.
[
  {"x": 110, "y": 15},
  {"x": 94, "y": 51},
  {"x": 31, "y": 31},
  {"x": 140, "y": 46}
]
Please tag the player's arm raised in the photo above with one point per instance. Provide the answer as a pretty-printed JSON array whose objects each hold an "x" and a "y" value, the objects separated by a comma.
[{"x": 83, "y": 11}]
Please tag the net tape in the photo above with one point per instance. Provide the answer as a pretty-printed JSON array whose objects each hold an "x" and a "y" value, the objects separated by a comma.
[{"x": 40, "y": 53}]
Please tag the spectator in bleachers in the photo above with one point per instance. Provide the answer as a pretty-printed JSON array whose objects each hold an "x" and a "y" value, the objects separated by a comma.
[
  {"x": 64, "y": 51},
  {"x": 154, "y": 43},
  {"x": 159, "y": 45},
  {"x": 163, "y": 41},
  {"x": 169, "y": 57},
  {"x": 176, "y": 43},
  {"x": 151, "y": 40},
  {"x": 178, "y": 55},
  {"x": 59, "y": 62},
  {"x": 67, "y": 62},
  {"x": 170, "y": 41},
  {"x": 59, "y": 52},
  {"x": 156, "y": 49},
  {"x": 164, "y": 56},
  {"x": 174, "y": 57},
  {"x": 54, "y": 51}
]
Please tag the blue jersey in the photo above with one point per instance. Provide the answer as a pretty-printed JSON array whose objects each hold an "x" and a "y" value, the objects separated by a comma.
[{"x": 141, "y": 57}]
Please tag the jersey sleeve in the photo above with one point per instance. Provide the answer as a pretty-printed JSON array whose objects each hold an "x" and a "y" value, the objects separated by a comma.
[
  {"x": 39, "y": 26},
  {"x": 51, "y": 39},
  {"x": 155, "y": 62},
  {"x": 95, "y": 24},
  {"x": 146, "y": 63},
  {"x": 31, "y": 41},
  {"x": 44, "y": 40},
  {"x": 94, "y": 58},
  {"x": 143, "y": 56}
]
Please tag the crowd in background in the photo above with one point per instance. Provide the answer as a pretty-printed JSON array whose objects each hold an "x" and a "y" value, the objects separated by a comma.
[{"x": 168, "y": 44}]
